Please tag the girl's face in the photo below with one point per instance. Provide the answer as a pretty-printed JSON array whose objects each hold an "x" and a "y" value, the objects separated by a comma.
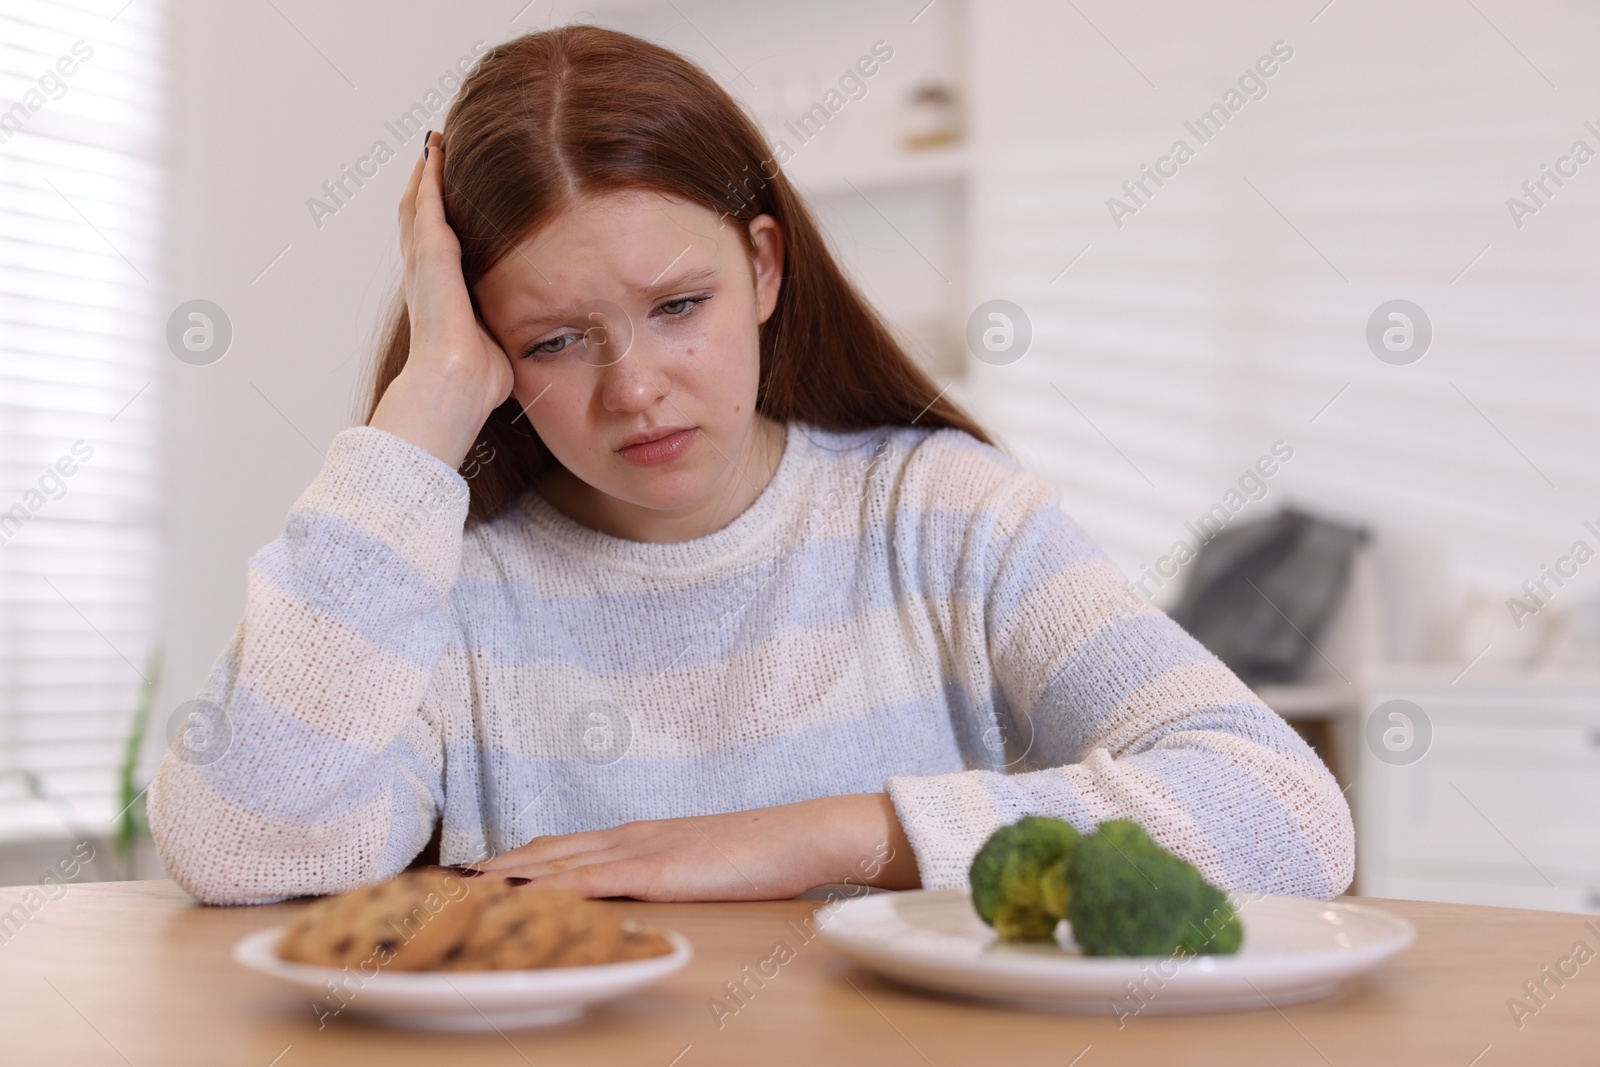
[{"x": 629, "y": 315}]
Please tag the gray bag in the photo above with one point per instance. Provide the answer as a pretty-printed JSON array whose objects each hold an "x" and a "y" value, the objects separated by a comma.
[{"x": 1260, "y": 593}]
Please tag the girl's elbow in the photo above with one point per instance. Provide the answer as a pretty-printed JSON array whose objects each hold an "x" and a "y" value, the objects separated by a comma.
[
  {"x": 203, "y": 850},
  {"x": 1306, "y": 846},
  {"x": 1339, "y": 846},
  {"x": 1328, "y": 861}
]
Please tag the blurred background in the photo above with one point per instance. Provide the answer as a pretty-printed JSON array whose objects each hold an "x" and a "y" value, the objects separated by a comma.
[{"x": 1292, "y": 297}]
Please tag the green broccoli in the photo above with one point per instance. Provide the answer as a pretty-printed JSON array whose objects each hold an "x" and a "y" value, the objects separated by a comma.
[
  {"x": 1019, "y": 883},
  {"x": 1131, "y": 897}
]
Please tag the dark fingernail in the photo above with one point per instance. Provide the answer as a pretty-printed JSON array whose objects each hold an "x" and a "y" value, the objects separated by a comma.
[
  {"x": 518, "y": 881},
  {"x": 425, "y": 139}
]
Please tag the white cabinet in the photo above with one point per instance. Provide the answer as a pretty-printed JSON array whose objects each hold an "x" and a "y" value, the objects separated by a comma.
[{"x": 1501, "y": 807}]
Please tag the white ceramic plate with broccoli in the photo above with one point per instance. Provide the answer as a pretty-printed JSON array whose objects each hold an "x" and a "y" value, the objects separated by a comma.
[{"x": 1294, "y": 949}]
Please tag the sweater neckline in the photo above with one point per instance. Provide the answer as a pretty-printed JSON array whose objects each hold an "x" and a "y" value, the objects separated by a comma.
[{"x": 654, "y": 557}]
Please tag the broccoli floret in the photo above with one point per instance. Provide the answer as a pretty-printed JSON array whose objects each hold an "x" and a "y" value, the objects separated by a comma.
[
  {"x": 1019, "y": 883},
  {"x": 1131, "y": 897}
]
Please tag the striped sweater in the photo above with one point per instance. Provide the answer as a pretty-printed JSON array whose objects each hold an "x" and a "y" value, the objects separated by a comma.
[{"x": 901, "y": 609}]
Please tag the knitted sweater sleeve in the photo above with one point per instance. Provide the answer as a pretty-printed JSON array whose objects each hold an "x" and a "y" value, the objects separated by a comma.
[
  {"x": 1106, "y": 707},
  {"x": 312, "y": 760}
]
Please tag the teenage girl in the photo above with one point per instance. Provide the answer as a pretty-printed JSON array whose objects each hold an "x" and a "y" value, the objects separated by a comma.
[{"x": 659, "y": 570}]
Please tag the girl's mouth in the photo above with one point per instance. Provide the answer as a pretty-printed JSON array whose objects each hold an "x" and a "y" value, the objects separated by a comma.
[{"x": 662, "y": 450}]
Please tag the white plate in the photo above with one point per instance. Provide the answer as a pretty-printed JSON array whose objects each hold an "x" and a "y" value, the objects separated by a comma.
[
  {"x": 1294, "y": 950},
  {"x": 461, "y": 1000}
]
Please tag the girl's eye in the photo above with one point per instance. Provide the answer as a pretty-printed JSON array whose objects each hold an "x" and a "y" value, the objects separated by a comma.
[
  {"x": 543, "y": 347},
  {"x": 688, "y": 303}
]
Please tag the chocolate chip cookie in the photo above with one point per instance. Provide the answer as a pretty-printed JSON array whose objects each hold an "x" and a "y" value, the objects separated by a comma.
[
  {"x": 408, "y": 923},
  {"x": 517, "y": 929}
]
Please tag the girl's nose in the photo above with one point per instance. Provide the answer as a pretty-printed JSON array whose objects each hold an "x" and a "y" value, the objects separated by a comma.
[{"x": 636, "y": 380}]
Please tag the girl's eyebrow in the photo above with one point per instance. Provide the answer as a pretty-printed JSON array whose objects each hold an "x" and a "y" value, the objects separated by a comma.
[{"x": 688, "y": 277}]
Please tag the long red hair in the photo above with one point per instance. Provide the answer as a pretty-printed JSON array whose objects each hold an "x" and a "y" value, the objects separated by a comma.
[{"x": 578, "y": 111}]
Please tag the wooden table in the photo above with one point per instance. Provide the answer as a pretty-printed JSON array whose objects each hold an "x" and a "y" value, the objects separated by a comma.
[{"x": 136, "y": 973}]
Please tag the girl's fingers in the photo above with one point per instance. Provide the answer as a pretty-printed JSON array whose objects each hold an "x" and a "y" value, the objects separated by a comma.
[
  {"x": 429, "y": 204},
  {"x": 545, "y": 849},
  {"x": 603, "y": 879},
  {"x": 556, "y": 865},
  {"x": 408, "y": 201}
]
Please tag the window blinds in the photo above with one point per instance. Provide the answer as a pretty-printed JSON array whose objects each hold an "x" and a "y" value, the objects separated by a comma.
[{"x": 81, "y": 120}]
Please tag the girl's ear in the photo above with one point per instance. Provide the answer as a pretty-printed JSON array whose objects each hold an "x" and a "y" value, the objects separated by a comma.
[{"x": 766, "y": 237}]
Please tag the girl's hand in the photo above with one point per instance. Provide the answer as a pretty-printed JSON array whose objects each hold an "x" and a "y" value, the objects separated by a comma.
[
  {"x": 765, "y": 854},
  {"x": 456, "y": 373}
]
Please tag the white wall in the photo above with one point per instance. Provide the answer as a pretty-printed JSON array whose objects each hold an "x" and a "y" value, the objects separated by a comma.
[{"x": 1219, "y": 319}]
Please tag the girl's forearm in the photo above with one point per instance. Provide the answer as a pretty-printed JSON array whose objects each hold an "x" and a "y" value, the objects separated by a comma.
[{"x": 438, "y": 411}]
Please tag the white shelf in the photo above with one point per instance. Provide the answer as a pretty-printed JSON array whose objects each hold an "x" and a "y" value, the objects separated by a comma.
[{"x": 927, "y": 167}]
